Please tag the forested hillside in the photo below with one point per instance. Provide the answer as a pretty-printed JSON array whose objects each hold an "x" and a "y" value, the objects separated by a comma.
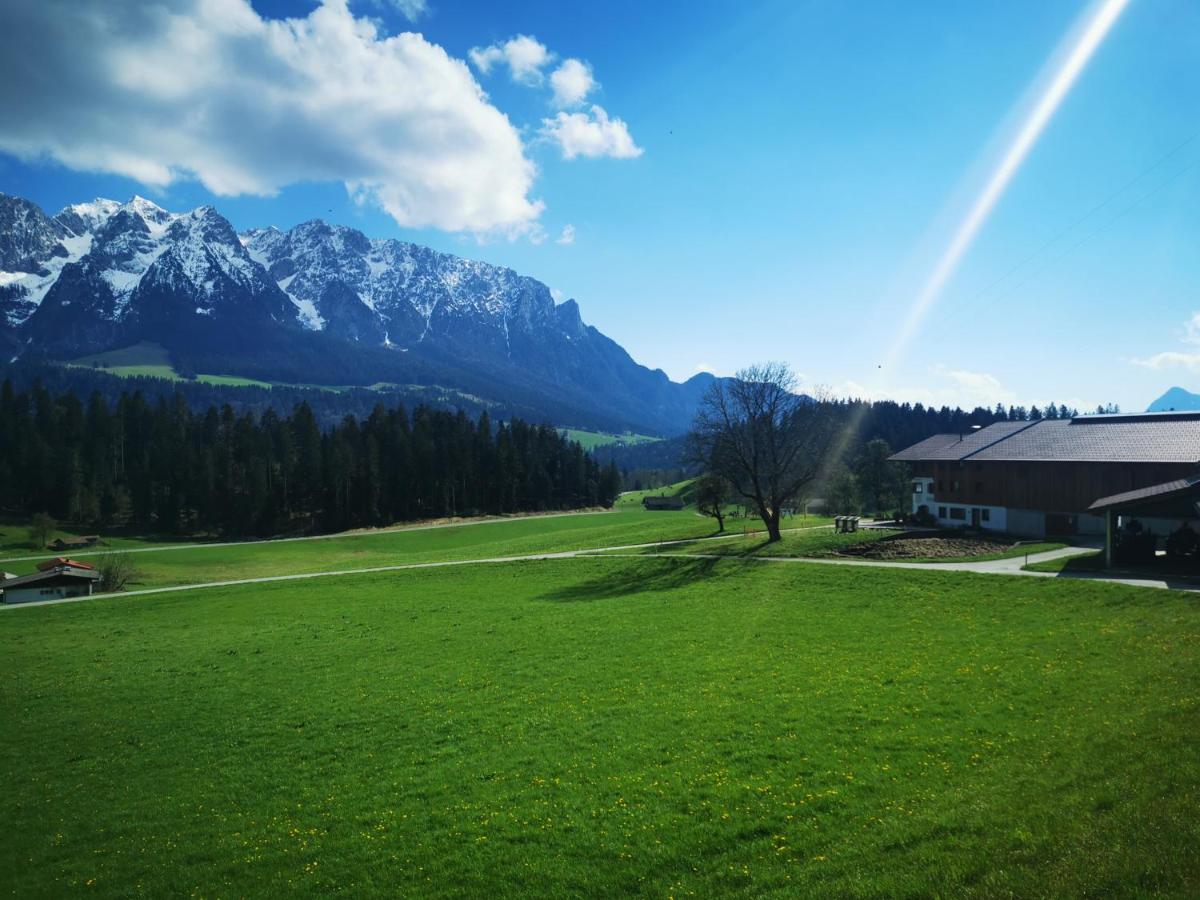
[{"x": 163, "y": 467}]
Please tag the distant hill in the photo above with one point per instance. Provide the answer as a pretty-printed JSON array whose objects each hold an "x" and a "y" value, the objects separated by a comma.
[{"x": 1175, "y": 399}]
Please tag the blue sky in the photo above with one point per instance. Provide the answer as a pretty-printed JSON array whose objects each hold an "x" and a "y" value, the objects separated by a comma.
[{"x": 802, "y": 166}]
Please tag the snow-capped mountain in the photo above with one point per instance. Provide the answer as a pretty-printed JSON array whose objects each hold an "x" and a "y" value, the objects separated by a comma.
[
  {"x": 101, "y": 271},
  {"x": 317, "y": 303}
]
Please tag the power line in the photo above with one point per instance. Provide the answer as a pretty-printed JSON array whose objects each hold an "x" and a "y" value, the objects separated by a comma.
[
  {"x": 1099, "y": 228},
  {"x": 1046, "y": 245}
]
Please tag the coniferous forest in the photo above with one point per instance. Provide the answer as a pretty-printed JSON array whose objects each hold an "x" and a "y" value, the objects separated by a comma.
[{"x": 164, "y": 467}]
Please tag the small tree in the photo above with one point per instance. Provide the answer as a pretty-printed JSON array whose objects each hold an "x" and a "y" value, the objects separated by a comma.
[
  {"x": 876, "y": 476},
  {"x": 843, "y": 493},
  {"x": 40, "y": 528},
  {"x": 712, "y": 496},
  {"x": 116, "y": 570}
]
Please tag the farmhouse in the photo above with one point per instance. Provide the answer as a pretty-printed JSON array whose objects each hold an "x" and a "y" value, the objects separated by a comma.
[
  {"x": 55, "y": 579},
  {"x": 1047, "y": 478},
  {"x": 662, "y": 502}
]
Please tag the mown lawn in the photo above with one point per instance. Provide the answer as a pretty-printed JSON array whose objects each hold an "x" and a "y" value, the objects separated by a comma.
[
  {"x": 198, "y": 564},
  {"x": 606, "y": 726}
]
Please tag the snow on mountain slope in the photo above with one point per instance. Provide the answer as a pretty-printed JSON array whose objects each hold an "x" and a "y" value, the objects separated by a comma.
[
  {"x": 84, "y": 218},
  {"x": 317, "y": 303},
  {"x": 122, "y": 267},
  {"x": 337, "y": 275}
]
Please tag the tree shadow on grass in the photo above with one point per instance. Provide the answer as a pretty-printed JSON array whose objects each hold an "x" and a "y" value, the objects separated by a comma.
[{"x": 637, "y": 577}]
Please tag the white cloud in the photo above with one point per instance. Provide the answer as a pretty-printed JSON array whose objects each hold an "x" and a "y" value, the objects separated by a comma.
[
  {"x": 1176, "y": 359},
  {"x": 567, "y": 236},
  {"x": 525, "y": 57},
  {"x": 571, "y": 83},
  {"x": 950, "y": 387},
  {"x": 1170, "y": 359},
  {"x": 209, "y": 89},
  {"x": 410, "y": 9},
  {"x": 591, "y": 134}
]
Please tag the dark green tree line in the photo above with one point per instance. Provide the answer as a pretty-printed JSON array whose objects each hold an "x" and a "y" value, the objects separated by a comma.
[{"x": 164, "y": 467}]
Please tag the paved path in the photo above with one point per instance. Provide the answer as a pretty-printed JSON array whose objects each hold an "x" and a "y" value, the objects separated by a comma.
[
  {"x": 1011, "y": 567},
  {"x": 399, "y": 567},
  {"x": 987, "y": 567}
]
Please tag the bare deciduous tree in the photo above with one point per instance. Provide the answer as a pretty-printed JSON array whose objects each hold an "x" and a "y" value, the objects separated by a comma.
[
  {"x": 116, "y": 570},
  {"x": 763, "y": 437},
  {"x": 40, "y": 528}
]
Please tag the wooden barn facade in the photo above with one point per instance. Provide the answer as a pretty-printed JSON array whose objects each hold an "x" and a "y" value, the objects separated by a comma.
[{"x": 1042, "y": 478}]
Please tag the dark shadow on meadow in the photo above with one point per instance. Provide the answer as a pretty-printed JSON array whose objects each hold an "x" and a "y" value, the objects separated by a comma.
[{"x": 638, "y": 577}]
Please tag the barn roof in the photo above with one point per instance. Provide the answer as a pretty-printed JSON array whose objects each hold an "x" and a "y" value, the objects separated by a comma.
[
  {"x": 958, "y": 446},
  {"x": 1149, "y": 438}
]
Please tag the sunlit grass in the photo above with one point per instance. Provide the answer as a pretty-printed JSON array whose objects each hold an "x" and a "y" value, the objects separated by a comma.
[{"x": 604, "y": 727}]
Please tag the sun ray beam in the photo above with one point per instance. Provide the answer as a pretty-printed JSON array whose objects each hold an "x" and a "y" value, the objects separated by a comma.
[
  {"x": 1098, "y": 24},
  {"x": 1089, "y": 32}
]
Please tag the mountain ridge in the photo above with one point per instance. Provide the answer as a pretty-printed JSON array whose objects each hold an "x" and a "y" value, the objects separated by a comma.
[
  {"x": 317, "y": 303},
  {"x": 1175, "y": 399}
]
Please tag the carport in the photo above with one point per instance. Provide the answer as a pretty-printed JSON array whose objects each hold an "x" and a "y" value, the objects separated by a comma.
[{"x": 1179, "y": 499}]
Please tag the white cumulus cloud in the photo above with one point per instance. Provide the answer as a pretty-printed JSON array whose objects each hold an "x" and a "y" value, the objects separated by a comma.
[
  {"x": 208, "y": 89},
  {"x": 1178, "y": 359},
  {"x": 525, "y": 57},
  {"x": 590, "y": 134},
  {"x": 567, "y": 237},
  {"x": 950, "y": 387},
  {"x": 410, "y": 9},
  {"x": 571, "y": 83}
]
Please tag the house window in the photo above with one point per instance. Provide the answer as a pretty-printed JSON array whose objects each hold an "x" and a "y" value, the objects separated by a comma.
[
  {"x": 918, "y": 488},
  {"x": 957, "y": 512},
  {"x": 954, "y": 485},
  {"x": 941, "y": 512},
  {"x": 985, "y": 515}
]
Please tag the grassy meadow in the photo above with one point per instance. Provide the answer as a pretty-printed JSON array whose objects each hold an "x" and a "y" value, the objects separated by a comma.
[
  {"x": 172, "y": 563},
  {"x": 597, "y": 726},
  {"x": 590, "y": 440}
]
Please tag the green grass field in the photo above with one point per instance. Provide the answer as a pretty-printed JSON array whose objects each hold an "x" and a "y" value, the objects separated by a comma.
[
  {"x": 819, "y": 542},
  {"x": 598, "y": 726},
  {"x": 196, "y": 564},
  {"x": 593, "y": 439},
  {"x": 16, "y": 542},
  {"x": 633, "y": 499},
  {"x": 148, "y": 360}
]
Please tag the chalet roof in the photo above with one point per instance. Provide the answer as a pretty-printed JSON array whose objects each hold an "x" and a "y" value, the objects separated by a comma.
[
  {"x": 1157, "y": 492},
  {"x": 88, "y": 574},
  {"x": 1149, "y": 438},
  {"x": 60, "y": 561}
]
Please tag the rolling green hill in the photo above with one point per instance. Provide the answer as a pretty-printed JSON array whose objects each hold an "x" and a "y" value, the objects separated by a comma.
[{"x": 605, "y": 726}]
